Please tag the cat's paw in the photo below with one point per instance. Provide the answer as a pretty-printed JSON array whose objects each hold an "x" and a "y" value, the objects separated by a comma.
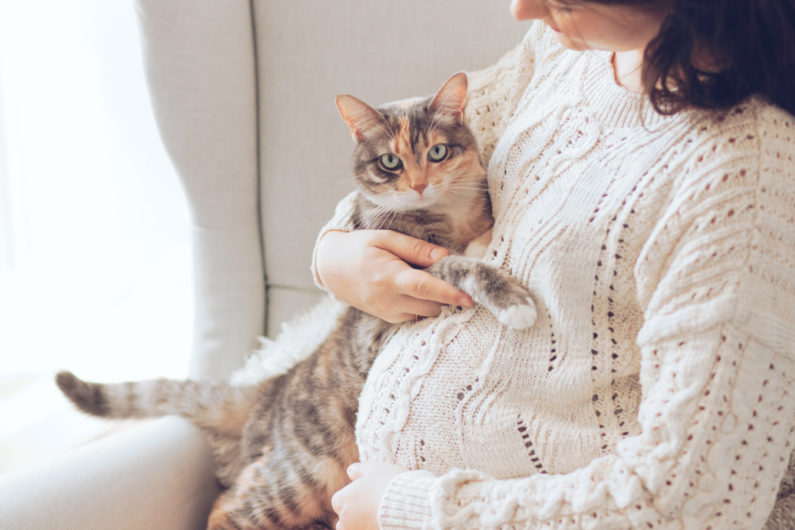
[{"x": 520, "y": 316}]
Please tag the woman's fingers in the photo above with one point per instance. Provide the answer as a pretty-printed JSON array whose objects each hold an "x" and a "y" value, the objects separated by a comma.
[
  {"x": 420, "y": 308},
  {"x": 370, "y": 270},
  {"x": 410, "y": 308},
  {"x": 421, "y": 285},
  {"x": 410, "y": 249}
]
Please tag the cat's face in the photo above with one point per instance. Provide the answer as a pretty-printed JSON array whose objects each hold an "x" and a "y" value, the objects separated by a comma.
[{"x": 416, "y": 153}]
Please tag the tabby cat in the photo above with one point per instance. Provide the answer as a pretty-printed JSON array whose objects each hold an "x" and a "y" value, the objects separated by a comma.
[{"x": 417, "y": 170}]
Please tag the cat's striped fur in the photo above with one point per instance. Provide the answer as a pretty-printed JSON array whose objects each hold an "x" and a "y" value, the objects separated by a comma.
[{"x": 296, "y": 431}]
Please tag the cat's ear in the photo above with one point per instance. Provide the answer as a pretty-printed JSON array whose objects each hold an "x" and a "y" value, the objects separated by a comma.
[
  {"x": 452, "y": 97},
  {"x": 360, "y": 117}
]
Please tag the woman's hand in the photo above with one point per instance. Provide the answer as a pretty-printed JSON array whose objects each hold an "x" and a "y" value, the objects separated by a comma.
[
  {"x": 357, "y": 503},
  {"x": 369, "y": 269}
]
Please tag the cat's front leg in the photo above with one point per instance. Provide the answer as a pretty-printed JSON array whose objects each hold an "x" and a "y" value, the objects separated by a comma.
[{"x": 499, "y": 292}]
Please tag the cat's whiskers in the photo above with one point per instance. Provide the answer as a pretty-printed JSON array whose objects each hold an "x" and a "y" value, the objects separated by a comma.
[
  {"x": 380, "y": 214},
  {"x": 463, "y": 192},
  {"x": 391, "y": 218},
  {"x": 394, "y": 214},
  {"x": 468, "y": 185},
  {"x": 386, "y": 211},
  {"x": 466, "y": 192}
]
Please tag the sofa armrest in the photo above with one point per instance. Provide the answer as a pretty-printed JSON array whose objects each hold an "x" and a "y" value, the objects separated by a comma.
[{"x": 156, "y": 475}]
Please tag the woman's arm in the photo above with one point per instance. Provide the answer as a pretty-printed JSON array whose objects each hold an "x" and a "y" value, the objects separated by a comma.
[
  {"x": 495, "y": 91},
  {"x": 717, "y": 283},
  {"x": 342, "y": 222}
]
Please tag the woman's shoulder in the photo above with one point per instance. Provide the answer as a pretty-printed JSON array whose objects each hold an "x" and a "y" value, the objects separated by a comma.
[
  {"x": 775, "y": 128},
  {"x": 754, "y": 119},
  {"x": 495, "y": 91},
  {"x": 518, "y": 63},
  {"x": 718, "y": 156},
  {"x": 731, "y": 186},
  {"x": 753, "y": 136}
]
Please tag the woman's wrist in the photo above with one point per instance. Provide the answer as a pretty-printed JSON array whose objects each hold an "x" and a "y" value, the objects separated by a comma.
[{"x": 322, "y": 257}]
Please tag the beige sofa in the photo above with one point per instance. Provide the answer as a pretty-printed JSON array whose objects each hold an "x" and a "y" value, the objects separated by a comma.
[{"x": 244, "y": 96}]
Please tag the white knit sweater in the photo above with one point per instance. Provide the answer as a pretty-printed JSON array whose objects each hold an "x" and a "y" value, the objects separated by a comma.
[{"x": 654, "y": 389}]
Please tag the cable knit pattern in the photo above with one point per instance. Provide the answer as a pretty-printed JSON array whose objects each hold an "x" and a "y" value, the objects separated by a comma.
[{"x": 654, "y": 390}]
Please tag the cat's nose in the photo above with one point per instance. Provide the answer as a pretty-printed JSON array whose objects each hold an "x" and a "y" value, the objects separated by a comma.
[{"x": 419, "y": 187}]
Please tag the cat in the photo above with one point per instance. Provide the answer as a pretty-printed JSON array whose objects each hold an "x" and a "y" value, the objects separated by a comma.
[{"x": 418, "y": 172}]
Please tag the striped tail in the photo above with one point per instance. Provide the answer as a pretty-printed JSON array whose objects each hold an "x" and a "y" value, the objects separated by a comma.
[{"x": 220, "y": 407}]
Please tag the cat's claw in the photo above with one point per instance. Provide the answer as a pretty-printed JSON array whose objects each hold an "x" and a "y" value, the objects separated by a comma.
[{"x": 518, "y": 316}]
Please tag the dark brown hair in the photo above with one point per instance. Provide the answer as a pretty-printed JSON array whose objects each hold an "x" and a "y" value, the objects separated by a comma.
[{"x": 750, "y": 46}]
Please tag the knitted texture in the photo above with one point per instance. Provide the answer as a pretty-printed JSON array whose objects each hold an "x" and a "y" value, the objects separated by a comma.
[{"x": 654, "y": 390}]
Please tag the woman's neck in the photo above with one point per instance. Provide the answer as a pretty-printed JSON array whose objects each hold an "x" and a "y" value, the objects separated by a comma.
[{"x": 627, "y": 69}]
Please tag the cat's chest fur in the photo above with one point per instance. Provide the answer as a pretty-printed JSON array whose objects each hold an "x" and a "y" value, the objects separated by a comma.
[{"x": 453, "y": 225}]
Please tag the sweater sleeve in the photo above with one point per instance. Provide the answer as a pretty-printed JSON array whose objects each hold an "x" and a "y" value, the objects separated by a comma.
[
  {"x": 495, "y": 91},
  {"x": 716, "y": 281}
]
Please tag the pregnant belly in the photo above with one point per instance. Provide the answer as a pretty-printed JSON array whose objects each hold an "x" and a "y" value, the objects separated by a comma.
[{"x": 464, "y": 392}]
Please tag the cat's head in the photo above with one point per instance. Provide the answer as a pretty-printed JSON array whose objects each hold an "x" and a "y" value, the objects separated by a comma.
[{"x": 415, "y": 153}]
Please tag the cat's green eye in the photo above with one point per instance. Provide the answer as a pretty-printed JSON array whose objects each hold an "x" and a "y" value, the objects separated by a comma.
[
  {"x": 390, "y": 162},
  {"x": 437, "y": 153}
]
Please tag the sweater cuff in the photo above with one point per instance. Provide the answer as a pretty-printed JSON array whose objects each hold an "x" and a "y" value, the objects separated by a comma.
[
  {"x": 407, "y": 501},
  {"x": 341, "y": 222}
]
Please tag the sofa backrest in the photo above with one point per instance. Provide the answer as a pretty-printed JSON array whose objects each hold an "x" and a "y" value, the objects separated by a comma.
[{"x": 244, "y": 98}]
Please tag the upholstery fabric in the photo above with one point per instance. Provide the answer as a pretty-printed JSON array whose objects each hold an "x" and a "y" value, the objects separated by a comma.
[
  {"x": 158, "y": 475},
  {"x": 200, "y": 67}
]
